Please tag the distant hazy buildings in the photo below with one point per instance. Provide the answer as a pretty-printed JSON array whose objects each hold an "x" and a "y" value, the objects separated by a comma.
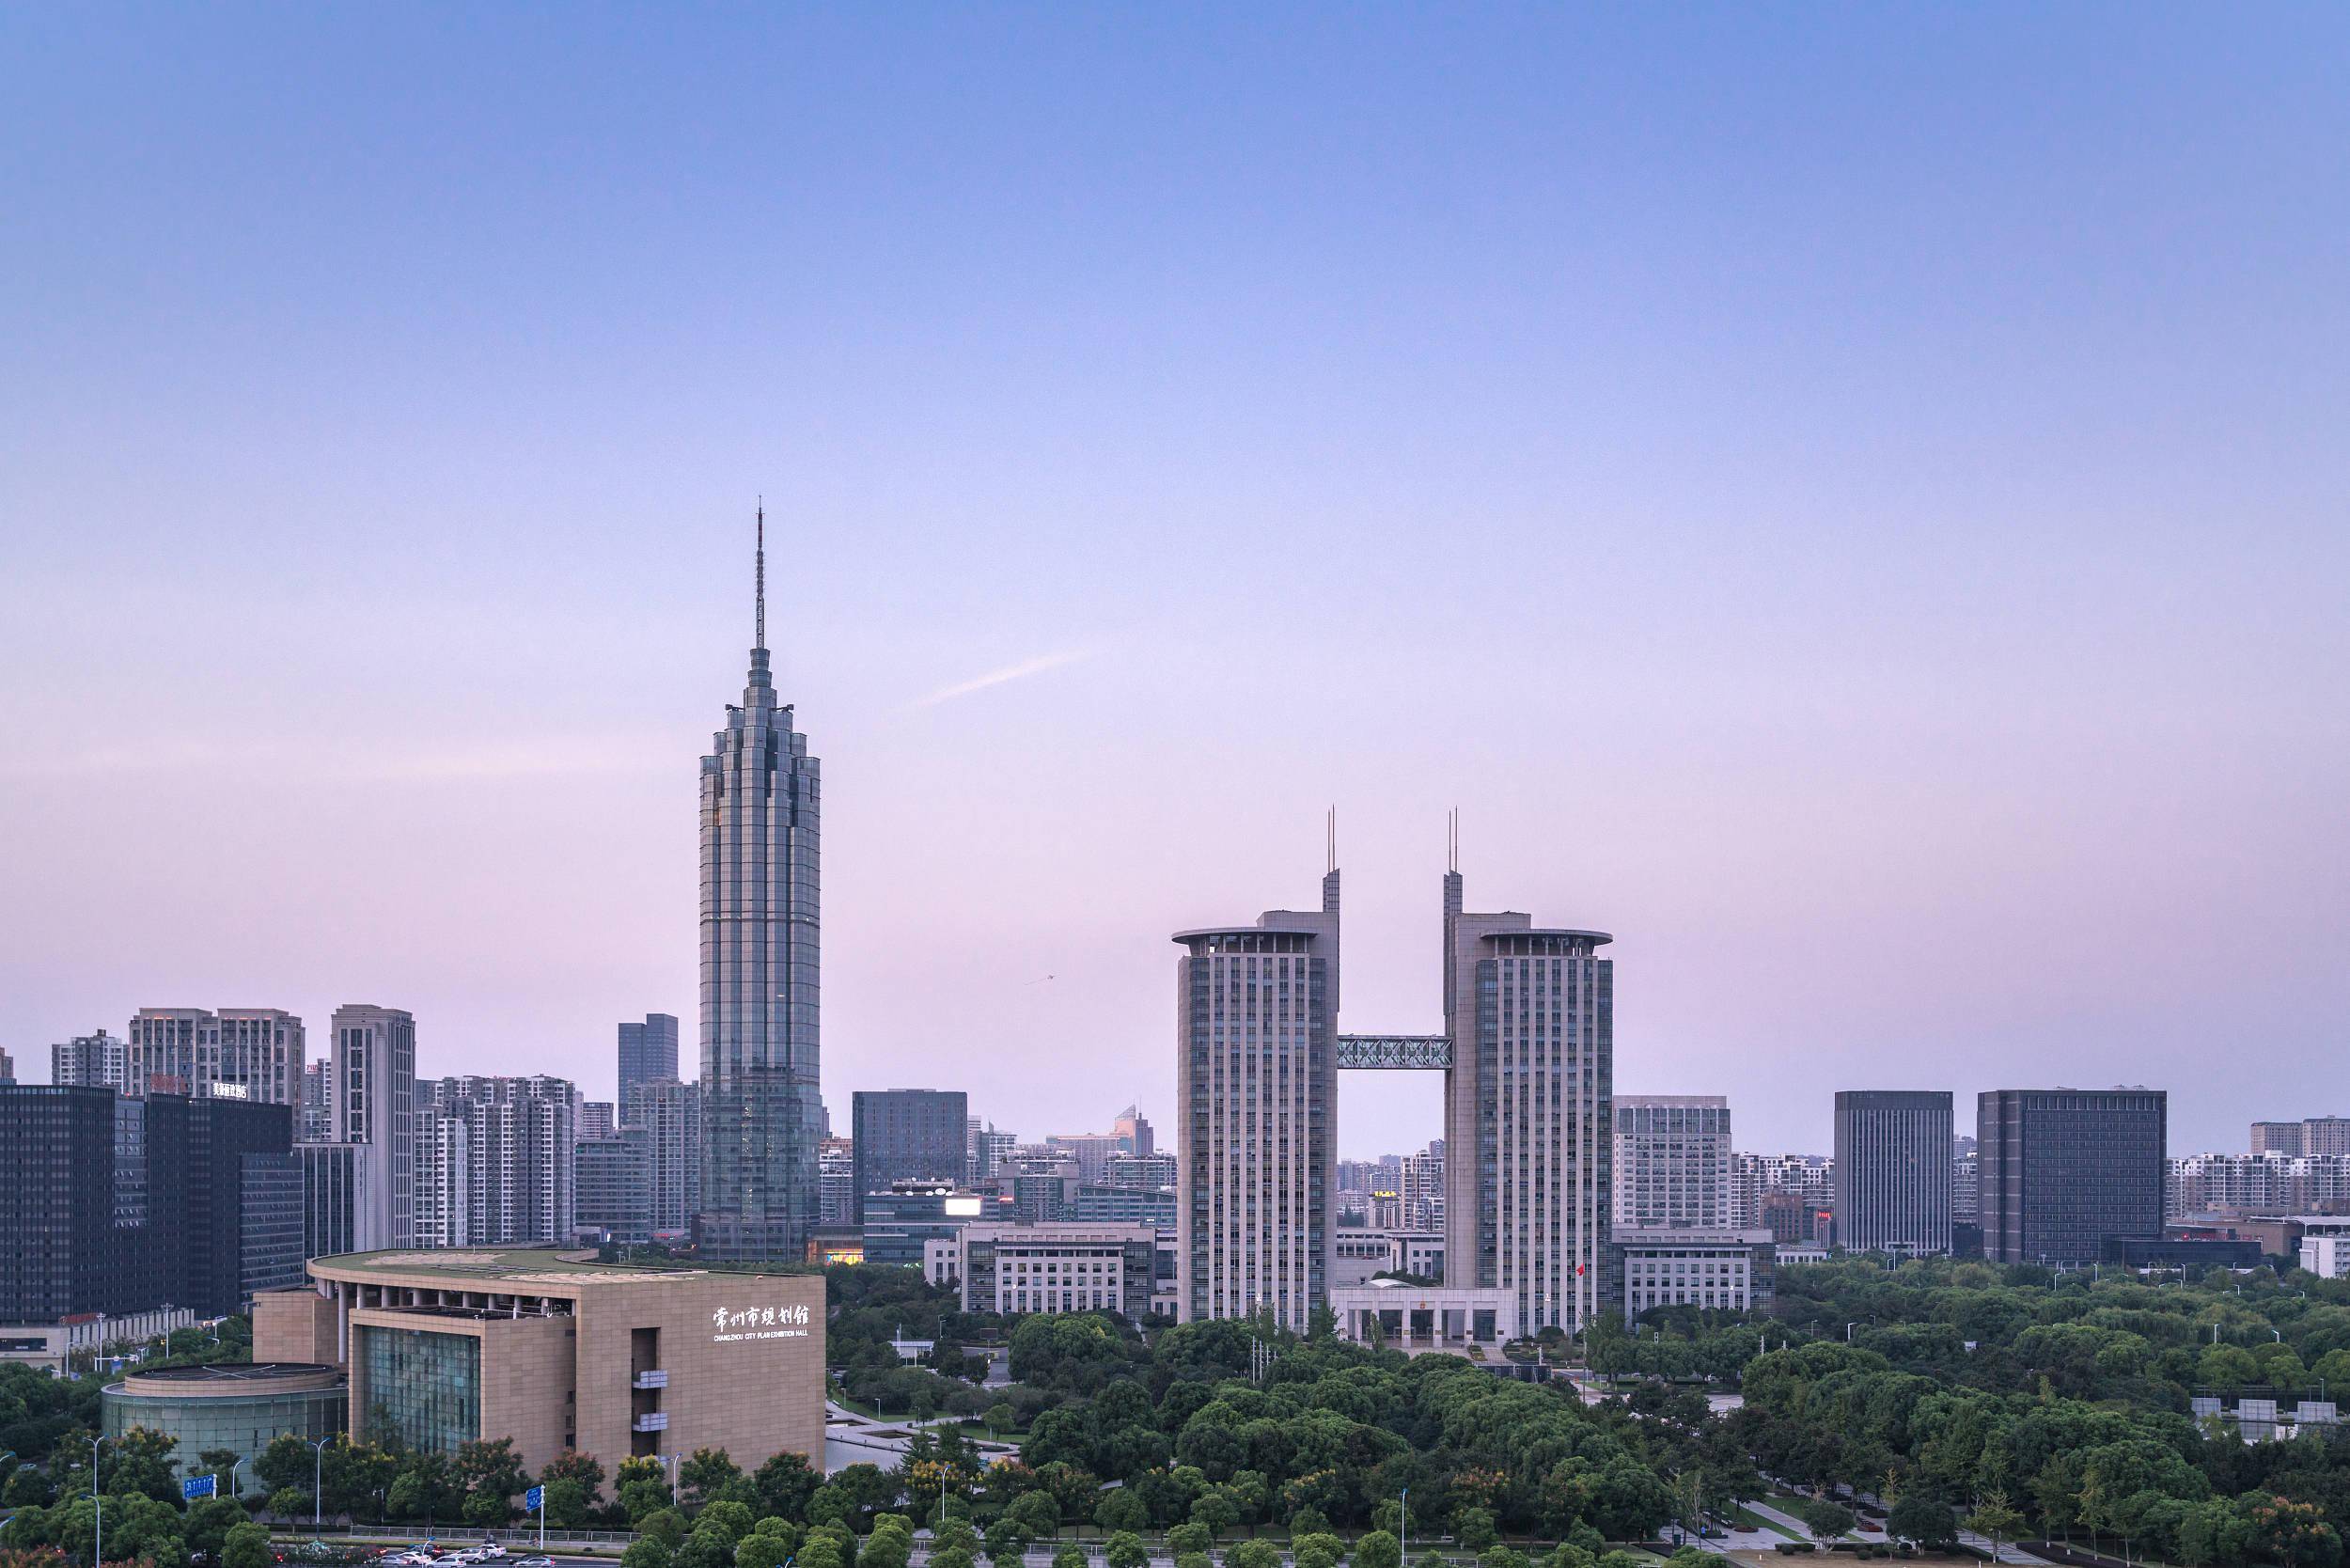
[
  {"x": 762, "y": 1110},
  {"x": 647, "y": 1050},
  {"x": 1673, "y": 1160},
  {"x": 1893, "y": 1170},
  {"x": 612, "y": 1188},
  {"x": 2246, "y": 1184},
  {"x": 987, "y": 1147},
  {"x": 370, "y": 1104},
  {"x": 95, "y": 1060},
  {"x": 2064, "y": 1169},
  {"x": 1423, "y": 1190},
  {"x": 236, "y": 1053},
  {"x": 1257, "y": 1090}
]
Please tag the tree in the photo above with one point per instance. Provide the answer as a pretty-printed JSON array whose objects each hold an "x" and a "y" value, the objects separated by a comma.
[
  {"x": 1190, "y": 1536},
  {"x": 645, "y": 1552},
  {"x": 1253, "y": 1554},
  {"x": 1825, "y": 1519},
  {"x": 569, "y": 1504},
  {"x": 1124, "y": 1549},
  {"x": 1037, "y": 1513},
  {"x": 1378, "y": 1549},
  {"x": 761, "y": 1550},
  {"x": 1475, "y": 1528},
  {"x": 1006, "y": 1541},
  {"x": 1072, "y": 1556},
  {"x": 701, "y": 1473},
  {"x": 1121, "y": 1510},
  {"x": 1920, "y": 1516},
  {"x": 1216, "y": 1511},
  {"x": 428, "y": 1488},
  {"x": 246, "y": 1546},
  {"x": 999, "y": 1418},
  {"x": 1993, "y": 1518},
  {"x": 784, "y": 1484}
]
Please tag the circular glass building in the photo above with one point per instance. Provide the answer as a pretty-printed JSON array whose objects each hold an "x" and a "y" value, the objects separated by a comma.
[{"x": 238, "y": 1406}]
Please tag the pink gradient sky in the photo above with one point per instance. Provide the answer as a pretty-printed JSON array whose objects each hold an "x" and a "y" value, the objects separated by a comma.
[{"x": 1853, "y": 505}]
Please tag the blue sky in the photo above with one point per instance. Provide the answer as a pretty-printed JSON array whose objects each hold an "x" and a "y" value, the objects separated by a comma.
[{"x": 1851, "y": 500}]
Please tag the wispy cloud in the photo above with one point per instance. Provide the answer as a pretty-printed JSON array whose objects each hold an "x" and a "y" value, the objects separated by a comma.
[
  {"x": 358, "y": 762},
  {"x": 999, "y": 677}
]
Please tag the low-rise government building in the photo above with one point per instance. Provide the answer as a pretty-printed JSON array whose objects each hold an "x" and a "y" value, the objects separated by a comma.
[
  {"x": 1729, "y": 1270},
  {"x": 556, "y": 1351}
]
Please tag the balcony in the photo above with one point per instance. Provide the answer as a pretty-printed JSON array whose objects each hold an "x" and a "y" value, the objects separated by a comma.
[
  {"x": 657, "y": 1421},
  {"x": 651, "y": 1379}
]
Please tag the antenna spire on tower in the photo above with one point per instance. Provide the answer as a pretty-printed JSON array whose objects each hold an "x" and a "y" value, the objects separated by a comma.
[{"x": 759, "y": 638}]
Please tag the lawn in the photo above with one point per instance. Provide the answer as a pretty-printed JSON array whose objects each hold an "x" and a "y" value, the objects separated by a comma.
[{"x": 1751, "y": 1520}]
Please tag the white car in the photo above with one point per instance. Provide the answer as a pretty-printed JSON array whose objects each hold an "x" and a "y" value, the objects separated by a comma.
[{"x": 488, "y": 1551}]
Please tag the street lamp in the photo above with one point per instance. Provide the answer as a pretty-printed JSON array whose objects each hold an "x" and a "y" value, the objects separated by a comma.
[
  {"x": 98, "y": 1506},
  {"x": 1402, "y": 1527},
  {"x": 1848, "y": 1328},
  {"x": 318, "y": 1480}
]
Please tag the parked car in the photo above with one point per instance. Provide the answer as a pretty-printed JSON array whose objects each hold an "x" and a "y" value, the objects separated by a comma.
[
  {"x": 534, "y": 1561},
  {"x": 489, "y": 1551}
]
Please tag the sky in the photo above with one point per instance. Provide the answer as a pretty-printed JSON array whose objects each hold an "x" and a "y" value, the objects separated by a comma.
[{"x": 1849, "y": 499}]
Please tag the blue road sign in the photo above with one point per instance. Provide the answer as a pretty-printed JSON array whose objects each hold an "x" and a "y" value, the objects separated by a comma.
[
  {"x": 198, "y": 1486},
  {"x": 534, "y": 1498}
]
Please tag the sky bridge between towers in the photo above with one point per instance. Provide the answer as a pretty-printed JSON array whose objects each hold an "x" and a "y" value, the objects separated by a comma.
[{"x": 1392, "y": 1053}]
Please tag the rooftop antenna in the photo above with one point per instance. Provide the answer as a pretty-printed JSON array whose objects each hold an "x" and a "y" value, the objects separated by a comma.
[
  {"x": 1332, "y": 831},
  {"x": 760, "y": 640},
  {"x": 1452, "y": 839}
]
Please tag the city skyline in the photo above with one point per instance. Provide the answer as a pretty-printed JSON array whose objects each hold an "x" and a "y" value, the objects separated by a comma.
[{"x": 1930, "y": 512}]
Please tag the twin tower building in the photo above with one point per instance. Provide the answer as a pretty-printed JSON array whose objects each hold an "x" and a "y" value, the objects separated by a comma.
[{"x": 1526, "y": 1055}]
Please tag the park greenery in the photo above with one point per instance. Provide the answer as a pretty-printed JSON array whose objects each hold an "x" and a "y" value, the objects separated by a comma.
[{"x": 1916, "y": 1402}]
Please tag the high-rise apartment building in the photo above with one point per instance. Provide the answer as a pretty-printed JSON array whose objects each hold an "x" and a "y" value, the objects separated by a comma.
[
  {"x": 371, "y": 1104},
  {"x": 835, "y": 1171},
  {"x": 95, "y": 1060},
  {"x": 234, "y": 1053},
  {"x": 7, "y": 1069},
  {"x": 1893, "y": 1170},
  {"x": 763, "y": 1112},
  {"x": 1528, "y": 1111},
  {"x": 1256, "y": 1086},
  {"x": 2246, "y": 1185},
  {"x": 597, "y": 1118},
  {"x": 1422, "y": 1189},
  {"x": 669, "y": 1113},
  {"x": 116, "y": 1204},
  {"x": 647, "y": 1050},
  {"x": 508, "y": 1180},
  {"x": 1673, "y": 1162},
  {"x": 1148, "y": 1172},
  {"x": 1754, "y": 1177},
  {"x": 2312, "y": 1136},
  {"x": 612, "y": 1187},
  {"x": 2065, "y": 1169},
  {"x": 907, "y": 1134}
]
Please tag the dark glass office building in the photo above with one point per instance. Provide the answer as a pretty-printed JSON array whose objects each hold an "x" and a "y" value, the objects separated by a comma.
[
  {"x": 1893, "y": 1170},
  {"x": 2065, "y": 1170},
  {"x": 647, "y": 1050},
  {"x": 116, "y": 1205},
  {"x": 907, "y": 1134}
]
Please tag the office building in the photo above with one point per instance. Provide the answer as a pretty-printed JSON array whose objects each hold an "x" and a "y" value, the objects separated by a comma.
[
  {"x": 988, "y": 1147},
  {"x": 558, "y": 1352},
  {"x": 670, "y": 1113},
  {"x": 612, "y": 1188},
  {"x": 506, "y": 1177},
  {"x": 2325, "y": 1249},
  {"x": 899, "y": 1221},
  {"x": 2063, "y": 1169},
  {"x": 314, "y": 1118},
  {"x": 1966, "y": 1181},
  {"x": 95, "y": 1060},
  {"x": 119, "y": 1205},
  {"x": 236, "y": 1053},
  {"x": 1102, "y": 1204},
  {"x": 1133, "y": 1133},
  {"x": 332, "y": 1174},
  {"x": 1672, "y": 1160},
  {"x": 763, "y": 1112},
  {"x": 1146, "y": 1171},
  {"x": 371, "y": 1104},
  {"x": 908, "y": 1135},
  {"x": 1717, "y": 1269},
  {"x": 1055, "y": 1268},
  {"x": 1257, "y": 1091},
  {"x": 647, "y": 1050},
  {"x": 1529, "y": 1114},
  {"x": 7, "y": 1070},
  {"x": 836, "y": 1173},
  {"x": 1893, "y": 1171},
  {"x": 597, "y": 1119}
]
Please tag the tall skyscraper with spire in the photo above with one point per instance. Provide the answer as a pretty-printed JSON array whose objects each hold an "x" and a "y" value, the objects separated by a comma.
[{"x": 762, "y": 1115}]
